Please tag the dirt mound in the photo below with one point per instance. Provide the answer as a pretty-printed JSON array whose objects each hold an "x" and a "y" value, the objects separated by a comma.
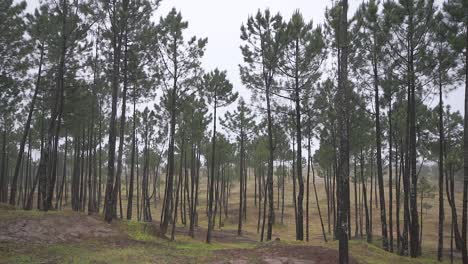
[
  {"x": 222, "y": 236},
  {"x": 279, "y": 254},
  {"x": 55, "y": 229}
]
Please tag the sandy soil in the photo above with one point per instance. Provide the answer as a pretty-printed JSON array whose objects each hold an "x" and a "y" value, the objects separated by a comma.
[
  {"x": 279, "y": 254},
  {"x": 75, "y": 228},
  {"x": 52, "y": 229}
]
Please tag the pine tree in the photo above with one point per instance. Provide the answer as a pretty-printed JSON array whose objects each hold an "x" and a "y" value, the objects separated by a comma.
[
  {"x": 180, "y": 62},
  {"x": 343, "y": 97},
  {"x": 240, "y": 122},
  {"x": 457, "y": 15},
  {"x": 370, "y": 47},
  {"x": 264, "y": 38},
  {"x": 13, "y": 67},
  {"x": 409, "y": 21},
  {"x": 219, "y": 92},
  {"x": 303, "y": 56},
  {"x": 445, "y": 62}
]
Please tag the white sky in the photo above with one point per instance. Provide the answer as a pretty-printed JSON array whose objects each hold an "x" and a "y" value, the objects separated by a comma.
[{"x": 220, "y": 21}]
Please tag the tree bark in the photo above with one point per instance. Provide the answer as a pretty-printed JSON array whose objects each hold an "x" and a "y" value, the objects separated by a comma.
[
  {"x": 440, "y": 243},
  {"x": 343, "y": 97},
  {"x": 26, "y": 128},
  {"x": 211, "y": 189}
]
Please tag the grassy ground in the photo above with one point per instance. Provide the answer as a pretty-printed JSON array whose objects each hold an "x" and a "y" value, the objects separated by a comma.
[{"x": 142, "y": 246}]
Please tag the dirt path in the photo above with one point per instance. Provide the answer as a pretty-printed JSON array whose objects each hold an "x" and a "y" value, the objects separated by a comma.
[
  {"x": 278, "y": 254},
  {"x": 221, "y": 236}
]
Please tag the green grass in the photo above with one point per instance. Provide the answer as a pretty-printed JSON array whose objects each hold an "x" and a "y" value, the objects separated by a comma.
[
  {"x": 367, "y": 253},
  {"x": 145, "y": 247},
  {"x": 8, "y": 212},
  {"x": 97, "y": 253}
]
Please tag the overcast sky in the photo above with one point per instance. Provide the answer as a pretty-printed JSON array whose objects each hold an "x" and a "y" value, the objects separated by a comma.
[{"x": 220, "y": 21}]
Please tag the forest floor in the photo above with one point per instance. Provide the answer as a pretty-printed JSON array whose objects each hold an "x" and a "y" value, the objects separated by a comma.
[
  {"x": 69, "y": 237},
  {"x": 72, "y": 237}
]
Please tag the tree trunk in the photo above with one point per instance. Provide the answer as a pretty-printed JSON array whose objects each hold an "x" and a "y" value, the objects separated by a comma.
[
  {"x": 64, "y": 173},
  {"x": 364, "y": 193},
  {"x": 300, "y": 196},
  {"x": 269, "y": 182},
  {"x": 211, "y": 189},
  {"x": 390, "y": 176},
  {"x": 3, "y": 171},
  {"x": 132, "y": 161},
  {"x": 308, "y": 183},
  {"x": 440, "y": 244},
  {"x": 167, "y": 212},
  {"x": 465, "y": 155},
  {"x": 241, "y": 184},
  {"x": 117, "y": 186},
  {"x": 26, "y": 129},
  {"x": 343, "y": 97},
  {"x": 356, "y": 230},
  {"x": 318, "y": 204},
  {"x": 415, "y": 247},
  {"x": 116, "y": 50}
]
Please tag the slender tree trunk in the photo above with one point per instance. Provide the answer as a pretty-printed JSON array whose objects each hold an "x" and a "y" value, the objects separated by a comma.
[
  {"x": 343, "y": 97},
  {"x": 390, "y": 176},
  {"x": 318, "y": 204},
  {"x": 117, "y": 186},
  {"x": 356, "y": 230},
  {"x": 211, "y": 189},
  {"x": 167, "y": 212},
  {"x": 132, "y": 161},
  {"x": 241, "y": 184},
  {"x": 406, "y": 184},
  {"x": 364, "y": 193},
  {"x": 90, "y": 169},
  {"x": 109, "y": 202},
  {"x": 99, "y": 196},
  {"x": 3, "y": 171},
  {"x": 282, "y": 195},
  {"x": 371, "y": 191},
  {"x": 260, "y": 176},
  {"x": 300, "y": 196},
  {"x": 269, "y": 182},
  {"x": 138, "y": 182},
  {"x": 179, "y": 183},
  {"x": 265, "y": 199},
  {"x": 294, "y": 188},
  {"x": 465, "y": 155},
  {"x": 26, "y": 128},
  {"x": 308, "y": 183},
  {"x": 186, "y": 194},
  {"x": 64, "y": 173},
  {"x": 398, "y": 197},
  {"x": 415, "y": 247},
  {"x": 327, "y": 191},
  {"x": 451, "y": 200},
  {"x": 440, "y": 244}
]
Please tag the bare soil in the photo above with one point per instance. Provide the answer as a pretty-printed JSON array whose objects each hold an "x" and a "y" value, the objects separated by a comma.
[
  {"x": 221, "y": 236},
  {"x": 77, "y": 228},
  {"x": 275, "y": 253},
  {"x": 51, "y": 229}
]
